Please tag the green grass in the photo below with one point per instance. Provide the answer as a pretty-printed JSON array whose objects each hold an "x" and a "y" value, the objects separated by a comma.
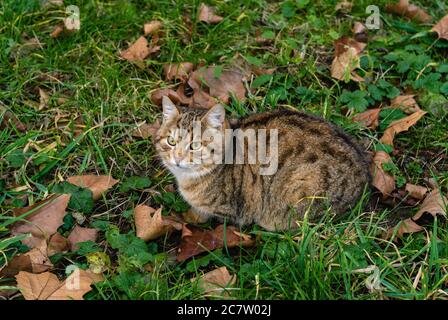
[{"x": 319, "y": 261}]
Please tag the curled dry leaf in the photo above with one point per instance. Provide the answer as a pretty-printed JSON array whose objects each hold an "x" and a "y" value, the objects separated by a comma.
[
  {"x": 97, "y": 184},
  {"x": 406, "y": 9},
  {"x": 344, "y": 6},
  {"x": 369, "y": 118},
  {"x": 216, "y": 282},
  {"x": 210, "y": 86},
  {"x": 195, "y": 240},
  {"x": 435, "y": 203},
  {"x": 207, "y": 15},
  {"x": 44, "y": 221},
  {"x": 152, "y": 27},
  {"x": 9, "y": 119},
  {"x": 406, "y": 103},
  {"x": 145, "y": 130},
  {"x": 441, "y": 28},
  {"x": 139, "y": 50},
  {"x": 46, "y": 286},
  {"x": 44, "y": 99},
  {"x": 382, "y": 180},
  {"x": 57, "y": 244},
  {"x": 179, "y": 71},
  {"x": 405, "y": 226},
  {"x": 360, "y": 32},
  {"x": 177, "y": 96},
  {"x": 417, "y": 192},
  {"x": 80, "y": 234},
  {"x": 399, "y": 126},
  {"x": 150, "y": 224},
  {"x": 347, "y": 59}
]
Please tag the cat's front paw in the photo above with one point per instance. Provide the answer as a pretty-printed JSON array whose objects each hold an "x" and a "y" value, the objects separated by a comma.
[{"x": 195, "y": 217}]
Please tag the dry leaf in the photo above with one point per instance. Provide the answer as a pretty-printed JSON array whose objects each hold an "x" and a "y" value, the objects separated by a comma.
[
  {"x": 408, "y": 10},
  {"x": 195, "y": 240},
  {"x": 435, "y": 203},
  {"x": 39, "y": 258},
  {"x": 97, "y": 184},
  {"x": 18, "y": 263},
  {"x": 406, "y": 103},
  {"x": 175, "y": 96},
  {"x": 216, "y": 282},
  {"x": 57, "y": 31},
  {"x": 150, "y": 224},
  {"x": 138, "y": 51},
  {"x": 347, "y": 59},
  {"x": 360, "y": 32},
  {"x": 8, "y": 118},
  {"x": 46, "y": 286},
  {"x": 399, "y": 126},
  {"x": 344, "y": 6},
  {"x": 208, "y": 86},
  {"x": 43, "y": 222},
  {"x": 44, "y": 99},
  {"x": 179, "y": 71},
  {"x": 207, "y": 15},
  {"x": 442, "y": 28},
  {"x": 417, "y": 192},
  {"x": 369, "y": 118},
  {"x": 152, "y": 27},
  {"x": 405, "y": 226},
  {"x": 80, "y": 234},
  {"x": 382, "y": 180},
  {"x": 146, "y": 130},
  {"x": 57, "y": 244}
]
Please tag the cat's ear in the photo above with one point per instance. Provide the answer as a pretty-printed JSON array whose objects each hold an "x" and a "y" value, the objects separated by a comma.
[
  {"x": 170, "y": 111},
  {"x": 215, "y": 116}
]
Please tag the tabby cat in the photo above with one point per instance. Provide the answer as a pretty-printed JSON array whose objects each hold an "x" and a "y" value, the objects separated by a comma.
[{"x": 318, "y": 166}]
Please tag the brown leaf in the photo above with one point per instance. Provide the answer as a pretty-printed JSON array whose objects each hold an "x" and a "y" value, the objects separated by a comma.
[
  {"x": 57, "y": 31},
  {"x": 44, "y": 99},
  {"x": 406, "y": 103},
  {"x": 207, "y": 15},
  {"x": 405, "y": 226},
  {"x": 138, "y": 51},
  {"x": 435, "y": 203},
  {"x": 46, "y": 286},
  {"x": 80, "y": 234},
  {"x": 417, "y": 192},
  {"x": 175, "y": 96},
  {"x": 408, "y": 10},
  {"x": 152, "y": 27},
  {"x": 399, "y": 126},
  {"x": 368, "y": 118},
  {"x": 18, "y": 263},
  {"x": 382, "y": 180},
  {"x": 207, "y": 87},
  {"x": 97, "y": 184},
  {"x": 347, "y": 59},
  {"x": 195, "y": 240},
  {"x": 146, "y": 130},
  {"x": 441, "y": 28},
  {"x": 344, "y": 6},
  {"x": 150, "y": 224},
  {"x": 179, "y": 71},
  {"x": 8, "y": 118},
  {"x": 44, "y": 221},
  {"x": 57, "y": 244},
  {"x": 216, "y": 282}
]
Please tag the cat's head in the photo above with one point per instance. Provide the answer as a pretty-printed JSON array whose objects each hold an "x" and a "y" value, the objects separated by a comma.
[{"x": 188, "y": 138}]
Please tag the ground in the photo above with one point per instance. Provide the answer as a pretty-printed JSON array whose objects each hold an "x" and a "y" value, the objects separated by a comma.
[{"x": 105, "y": 97}]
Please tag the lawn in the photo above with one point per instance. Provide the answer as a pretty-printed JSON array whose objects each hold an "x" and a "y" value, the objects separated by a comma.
[{"x": 70, "y": 105}]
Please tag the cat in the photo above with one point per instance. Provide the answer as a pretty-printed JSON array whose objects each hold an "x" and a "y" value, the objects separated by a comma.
[{"x": 318, "y": 167}]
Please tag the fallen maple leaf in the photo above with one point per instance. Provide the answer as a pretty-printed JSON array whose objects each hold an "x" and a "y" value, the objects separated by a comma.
[
  {"x": 80, "y": 234},
  {"x": 405, "y": 226},
  {"x": 406, "y": 103},
  {"x": 369, "y": 118},
  {"x": 44, "y": 221},
  {"x": 150, "y": 224},
  {"x": 152, "y": 27},
  {"x": 139, "y": 50},
  {"x": 441, "y": 28},
  {"x": 417, "y": 192},
  {"x": 215, "y": 282},
  {"x": 97, "y": 184},
  {"x": 46, "y": 286},
  {"x": 209, "y": 85},
  {"x": 195, "y": 240},
  {"x": 435, "y": 203},
  {"x": 207, "y": 14},
  {"x": 57, "y": 244},
  {"x": 39, "y": 259},
  {"x": 145, "y": 130},
  {"x": 179, "y": 71},
  {"x": 408, "y": 10},
  {"x": 347, "y": 59},
  {"x": 399, "y": 126},
  {"x": 382, "y": 180}
]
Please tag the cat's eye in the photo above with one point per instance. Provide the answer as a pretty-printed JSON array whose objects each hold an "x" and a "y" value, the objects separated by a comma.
[
  {"x": 171, "y": 141},
  {"x": 196, "y": 145}
]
